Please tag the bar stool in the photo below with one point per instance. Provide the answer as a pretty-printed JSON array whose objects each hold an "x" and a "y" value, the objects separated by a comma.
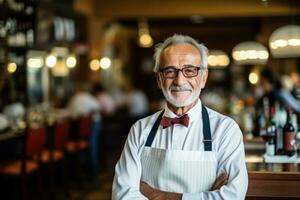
[
  {"x": 28, "y": 164},
  {"x": 54, "y": 155},
  {"x": 79, "y": 144}
]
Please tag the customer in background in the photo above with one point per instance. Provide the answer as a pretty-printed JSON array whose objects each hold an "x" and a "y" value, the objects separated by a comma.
[
  {"x": 275, "y": 90},
  {"x": 106, "y": 102},
  {"x": 186, "y": 151},
  {"x": 136, "y": 101},
  {"x": 83, "y": 103}
]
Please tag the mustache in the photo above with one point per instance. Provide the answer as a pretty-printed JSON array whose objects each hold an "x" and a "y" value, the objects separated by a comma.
[{"x": 181, "y": 88}]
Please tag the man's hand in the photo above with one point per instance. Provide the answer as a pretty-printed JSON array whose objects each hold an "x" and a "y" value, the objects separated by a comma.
[
  {"x": 154, "y": 194},
  {"x": 221, "y": 180}
]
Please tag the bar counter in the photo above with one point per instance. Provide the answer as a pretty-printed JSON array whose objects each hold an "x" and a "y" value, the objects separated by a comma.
[{"x": 270, "y": 180}]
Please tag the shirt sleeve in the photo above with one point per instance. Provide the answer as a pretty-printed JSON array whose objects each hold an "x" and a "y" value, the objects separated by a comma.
[
  {"x": 289, "y": 100},
  {"x": 128, "y": 170},
  {"x": 231, "y": 159}
]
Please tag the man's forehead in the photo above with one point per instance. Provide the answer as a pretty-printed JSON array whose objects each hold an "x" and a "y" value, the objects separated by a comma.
[
  {"x": 181, "y": 51},
  {"x": 180, "y": 47}
]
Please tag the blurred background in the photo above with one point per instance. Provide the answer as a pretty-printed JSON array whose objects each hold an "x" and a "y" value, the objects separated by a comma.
[{"x": 89, "y": 64}]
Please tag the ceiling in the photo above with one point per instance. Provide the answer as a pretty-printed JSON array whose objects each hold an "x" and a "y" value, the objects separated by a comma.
[
  {"x": 203, "y": 8},
  {"x": 218, "y": 23}
]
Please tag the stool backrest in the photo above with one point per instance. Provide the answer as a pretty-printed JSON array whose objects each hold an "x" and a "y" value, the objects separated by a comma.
[
  {"x": 35, "y": 141},
  {"x": 61, "y": 134},
  {"x": 85, "y": 126}
]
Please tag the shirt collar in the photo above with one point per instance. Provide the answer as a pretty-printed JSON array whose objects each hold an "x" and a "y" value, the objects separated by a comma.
[{"x": 195, "y": 113}]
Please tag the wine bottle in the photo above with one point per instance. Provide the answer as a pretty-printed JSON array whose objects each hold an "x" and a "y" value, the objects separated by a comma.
[
  {"x": 289, "y": 136},
  {"x": 272, "y": 133},
  {"x": 263, "y": 117}
]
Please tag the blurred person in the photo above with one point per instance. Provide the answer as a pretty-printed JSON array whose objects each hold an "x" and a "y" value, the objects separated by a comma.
[
  {"x": 136, "y": 101},
  {"x": 108, "y": 109},
  {"x": 83, "y": 103},
  {"x": 285, "y": 92},
  {"x": 106, "y": 102},
  {"x": 186, "y": 151},
  {"x": 277, "y": 90},
  {"x": 296, "y": 84}
]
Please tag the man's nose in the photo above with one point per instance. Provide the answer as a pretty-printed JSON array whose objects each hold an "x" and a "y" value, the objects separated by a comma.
[{"x": 180, "y": 78}]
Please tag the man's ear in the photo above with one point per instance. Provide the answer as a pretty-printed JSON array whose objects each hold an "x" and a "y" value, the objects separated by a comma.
[
  {"x": 204, "y": 78},
  {"x": 158, "y": 80}
]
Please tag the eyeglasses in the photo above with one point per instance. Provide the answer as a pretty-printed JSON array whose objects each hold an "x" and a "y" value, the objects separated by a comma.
[{"x": 188, "y": 71}]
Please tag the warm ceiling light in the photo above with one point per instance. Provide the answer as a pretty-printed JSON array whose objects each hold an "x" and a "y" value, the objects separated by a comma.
[
  {"x": 284, "y": 42},
  {"x": 51, "y": 61},
  {"x": 248, "y": 53},
  {"x": 105, "y": 63},
  {"x": 218, "y": 59},
  {"x": 253, "y": 78},
  {"x": 11, "y": 67},
  {"x": 94, "y": 65},
  {"x": 145, "y": 40},
  {"x": 71, "y": 61}
]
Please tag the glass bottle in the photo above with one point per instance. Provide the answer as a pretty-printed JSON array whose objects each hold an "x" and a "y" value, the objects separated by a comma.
[
  {"x": 289, "y": 136},
  {"x": 271, "y": 147},
  {"x": 262, "y": 121}
]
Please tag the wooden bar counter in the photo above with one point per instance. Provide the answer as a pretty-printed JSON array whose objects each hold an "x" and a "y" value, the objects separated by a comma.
[{"x": 271, "y": 180}]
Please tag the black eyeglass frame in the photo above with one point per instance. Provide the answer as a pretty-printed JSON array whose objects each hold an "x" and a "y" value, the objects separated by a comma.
[{"x": 183, "y": 70}]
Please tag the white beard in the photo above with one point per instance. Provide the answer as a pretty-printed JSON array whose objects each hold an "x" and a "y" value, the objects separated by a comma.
[{"x": 191, "y": 99}]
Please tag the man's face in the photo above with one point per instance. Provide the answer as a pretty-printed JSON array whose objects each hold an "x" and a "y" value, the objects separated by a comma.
[{"x": 181, "y": 91}]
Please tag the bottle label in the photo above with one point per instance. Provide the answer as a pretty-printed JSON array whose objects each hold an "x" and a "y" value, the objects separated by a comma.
[{"x": 289, "y": 141}]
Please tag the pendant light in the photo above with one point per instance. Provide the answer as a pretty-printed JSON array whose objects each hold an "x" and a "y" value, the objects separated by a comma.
[
  {"x": 145, "y": 40},
  {"x": 284, "y": 42},
  {"x": 217, "y": 59},
  {"x": 250, "y": 53}
]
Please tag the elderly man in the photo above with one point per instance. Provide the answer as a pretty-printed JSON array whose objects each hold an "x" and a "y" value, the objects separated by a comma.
[{"x": 186, "y": 151}]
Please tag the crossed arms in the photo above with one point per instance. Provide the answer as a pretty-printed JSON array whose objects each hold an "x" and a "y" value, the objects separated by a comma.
[{"x": 154, "y": 194}]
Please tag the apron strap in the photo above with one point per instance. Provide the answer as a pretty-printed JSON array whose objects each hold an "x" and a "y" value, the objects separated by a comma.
[
  {"x": 206, "y": 130},
  {"x": 153, "y": 130}
]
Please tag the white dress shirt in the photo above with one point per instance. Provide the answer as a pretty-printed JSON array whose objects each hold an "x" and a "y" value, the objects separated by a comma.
[{"x": 227, "y": 143}]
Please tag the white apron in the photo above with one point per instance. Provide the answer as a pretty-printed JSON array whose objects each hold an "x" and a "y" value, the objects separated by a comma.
[{"x": 177, "y": 170}]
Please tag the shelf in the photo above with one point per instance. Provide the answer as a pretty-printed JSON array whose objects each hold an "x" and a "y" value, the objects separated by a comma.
[{"x": 281, "y": 159}]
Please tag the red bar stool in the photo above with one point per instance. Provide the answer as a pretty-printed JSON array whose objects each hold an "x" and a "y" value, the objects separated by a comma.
[
  {"x": 53, "y": 157},
  {"x": 28, "y": 164},
  {"x": 81, "y": 142},
  {"x": 79, "y": 146},
  {"x": 56, "y": 152}
]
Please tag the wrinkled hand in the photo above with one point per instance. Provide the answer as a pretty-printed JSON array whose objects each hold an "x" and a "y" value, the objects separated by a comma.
[
  {"x": 154, "y": 194},
  {"x": 148, "y": 191},
  {"x": 220, "y": 181}
]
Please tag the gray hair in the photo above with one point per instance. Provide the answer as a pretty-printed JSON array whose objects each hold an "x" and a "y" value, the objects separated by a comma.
[{"x": 179, "y": 39}]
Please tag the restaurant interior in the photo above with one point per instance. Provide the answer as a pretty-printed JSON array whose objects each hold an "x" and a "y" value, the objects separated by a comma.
[{"x": 52, "y": 50}]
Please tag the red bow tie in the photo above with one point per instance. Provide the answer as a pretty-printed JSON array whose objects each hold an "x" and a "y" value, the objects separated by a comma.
[{"x": 168, "y": 121}]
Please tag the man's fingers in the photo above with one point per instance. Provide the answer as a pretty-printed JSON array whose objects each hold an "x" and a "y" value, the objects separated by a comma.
[
  {"x": 142, "y": 184},
  {"x": 145, "y": 188},
  {"x": 221, "y": 180}
]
